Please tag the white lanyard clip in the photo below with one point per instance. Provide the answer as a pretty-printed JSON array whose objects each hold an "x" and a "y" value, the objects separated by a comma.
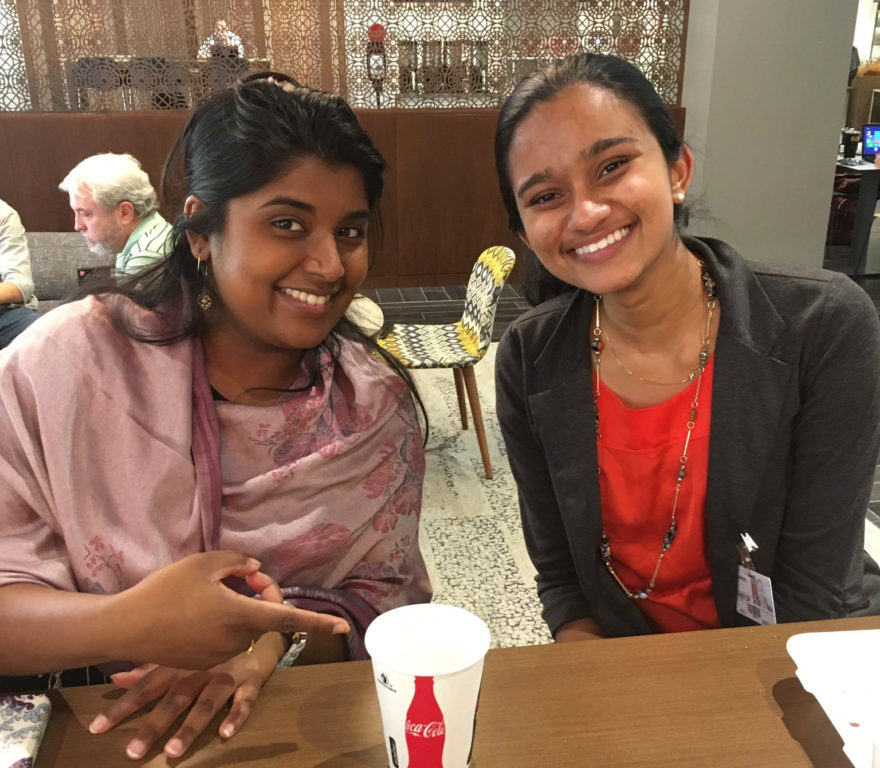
[{"x": 745, "y": 550}]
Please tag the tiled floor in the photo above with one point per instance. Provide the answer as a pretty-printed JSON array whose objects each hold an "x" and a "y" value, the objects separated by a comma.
[{"x": 443, "y": 305}]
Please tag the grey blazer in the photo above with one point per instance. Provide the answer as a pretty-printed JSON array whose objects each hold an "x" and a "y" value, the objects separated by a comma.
[{"x": 794, "y": 438}]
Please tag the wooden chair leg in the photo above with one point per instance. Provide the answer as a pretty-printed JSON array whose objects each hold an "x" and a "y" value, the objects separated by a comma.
[
  {"x": 470, "y": 382},
  {"x": 459, "y": 391}
]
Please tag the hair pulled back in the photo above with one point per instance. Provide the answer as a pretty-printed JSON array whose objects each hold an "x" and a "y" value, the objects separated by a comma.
[
  {"x": 604, "y": 71},
  {"x": 599, "y": 70},
  {"x": 250, "y": 135}
]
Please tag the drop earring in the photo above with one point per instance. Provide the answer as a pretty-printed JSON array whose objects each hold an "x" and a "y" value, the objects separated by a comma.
[{"x": 204, "y": 299}]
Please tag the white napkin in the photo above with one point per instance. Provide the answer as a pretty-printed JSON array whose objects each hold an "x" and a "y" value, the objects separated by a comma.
[{"x": 842, "y": 671}]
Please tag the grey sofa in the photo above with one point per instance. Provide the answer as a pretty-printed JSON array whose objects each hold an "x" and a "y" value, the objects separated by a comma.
[{"x": 56, "y": 258}]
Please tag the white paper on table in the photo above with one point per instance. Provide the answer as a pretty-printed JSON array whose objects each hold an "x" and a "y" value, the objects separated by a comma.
[{"x": 842, "y": 670}]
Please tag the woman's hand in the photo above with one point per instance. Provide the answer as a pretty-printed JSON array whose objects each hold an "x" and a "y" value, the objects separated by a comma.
[
  {"x": 183, "y": 616},
  {"x": 203, "y": 692}
]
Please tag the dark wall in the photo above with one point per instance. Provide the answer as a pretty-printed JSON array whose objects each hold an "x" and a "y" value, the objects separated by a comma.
[{"x": 441, "y": 205}]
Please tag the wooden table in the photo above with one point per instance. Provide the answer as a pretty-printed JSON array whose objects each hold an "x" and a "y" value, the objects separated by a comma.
[{"x": 715, "y": 698}]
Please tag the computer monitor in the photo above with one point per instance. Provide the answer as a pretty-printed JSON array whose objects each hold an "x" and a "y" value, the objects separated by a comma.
[{"x": 870, "y": 141}]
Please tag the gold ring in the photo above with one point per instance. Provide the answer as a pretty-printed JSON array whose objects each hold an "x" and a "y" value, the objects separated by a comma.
[{"x": 251, "y": 649}]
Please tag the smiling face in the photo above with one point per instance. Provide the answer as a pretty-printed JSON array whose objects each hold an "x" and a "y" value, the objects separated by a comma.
[
  {"x": 593, "y": 189},
  {"x": 288, "y": 263}
]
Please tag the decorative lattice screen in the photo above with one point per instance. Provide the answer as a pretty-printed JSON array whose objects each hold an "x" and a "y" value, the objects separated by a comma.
[
  {"x": 14, "y": 93},
  {"x": 166, "y": 54},
  {"x": 471, "y": 54}
]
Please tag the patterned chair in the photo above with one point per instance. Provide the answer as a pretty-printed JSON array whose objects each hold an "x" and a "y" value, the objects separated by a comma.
[{"x": 461, "y": 345}]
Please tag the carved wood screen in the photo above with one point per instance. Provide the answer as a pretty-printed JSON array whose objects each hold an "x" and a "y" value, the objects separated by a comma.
[{"x": 60, "y": 55}]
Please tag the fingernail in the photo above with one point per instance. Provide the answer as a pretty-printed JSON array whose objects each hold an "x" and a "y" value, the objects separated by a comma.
[
  {"x": 99, "y": 724},
  {"x": 227, "y": 730},
  {"x": 136, "y": 749},
  {"x": 174, "y": 748},
  {"x": 341, "y": 629},
  {"x": 253, "y": 562}
]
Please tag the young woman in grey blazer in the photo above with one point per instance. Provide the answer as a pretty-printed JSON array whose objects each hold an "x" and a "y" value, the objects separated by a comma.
[{"x": 693, "y": 436}]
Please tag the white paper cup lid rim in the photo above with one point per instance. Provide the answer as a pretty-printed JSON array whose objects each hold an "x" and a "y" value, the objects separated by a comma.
[{"x": 427, "y": 639}]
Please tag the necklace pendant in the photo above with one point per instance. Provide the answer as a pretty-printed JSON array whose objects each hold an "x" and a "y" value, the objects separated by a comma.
[
  {"x": 640, "y": 595},
  {"x": 670, "y": 536}
]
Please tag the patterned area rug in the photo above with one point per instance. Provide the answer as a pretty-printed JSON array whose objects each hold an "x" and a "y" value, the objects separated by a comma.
[{"x": 471, "y": 535}]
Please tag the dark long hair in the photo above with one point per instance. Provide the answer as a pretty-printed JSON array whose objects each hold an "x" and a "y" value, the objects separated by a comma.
[
  {"x": 602, "y": 71},
  {"x": 237, "y": 141}
]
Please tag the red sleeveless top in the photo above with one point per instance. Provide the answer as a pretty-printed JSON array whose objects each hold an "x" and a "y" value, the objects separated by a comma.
[{"x": 639, "y": 454}]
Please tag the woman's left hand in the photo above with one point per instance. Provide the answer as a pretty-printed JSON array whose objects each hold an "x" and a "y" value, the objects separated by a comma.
[{"x": 203, "y": 692}]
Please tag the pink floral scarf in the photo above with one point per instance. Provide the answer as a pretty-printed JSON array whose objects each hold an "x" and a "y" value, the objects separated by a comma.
[{"x": 115, "y": 461}]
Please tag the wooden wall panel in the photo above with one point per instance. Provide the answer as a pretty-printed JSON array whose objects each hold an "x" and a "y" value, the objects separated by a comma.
[
  {"x": 441, "y": 205},
  {"x": 382, "y": 127},
  {"x": 449, "y": 208}
]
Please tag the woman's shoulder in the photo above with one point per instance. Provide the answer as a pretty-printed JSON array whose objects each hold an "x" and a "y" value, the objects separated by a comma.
[
  {"x": 551, "y": 326},
  {"x": 359, "y": 362},
  {"x": 71, "y": 324},
  {"x": 544, "y": 318},
  {"x": 794, "y": 291},
  {"x": 796, "y": 283},
  {"x": 820, "y": 302},
  {"x": 86, "y": 320},
  {"x": 82, "y": 337},
  {"x": 365, "y": 378},
  {"x": 60, "y": 354}
]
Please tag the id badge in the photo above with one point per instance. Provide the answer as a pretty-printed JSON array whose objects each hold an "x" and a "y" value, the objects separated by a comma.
[{"x": 754, "y": 596}]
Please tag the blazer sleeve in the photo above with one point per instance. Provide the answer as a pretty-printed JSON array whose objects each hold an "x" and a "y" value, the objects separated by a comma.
[
  {"x": 562, "y": 598},
  {"x": 818, "y": 570}
]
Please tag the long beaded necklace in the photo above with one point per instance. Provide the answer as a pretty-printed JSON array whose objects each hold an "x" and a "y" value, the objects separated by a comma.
[{"x": 596, "y": 347}]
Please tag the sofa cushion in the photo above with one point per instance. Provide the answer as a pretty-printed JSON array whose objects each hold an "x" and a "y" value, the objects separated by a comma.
[{"x": 55, "y": 259}]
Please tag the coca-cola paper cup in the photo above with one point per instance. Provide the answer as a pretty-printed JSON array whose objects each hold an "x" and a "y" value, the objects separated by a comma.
[{"x": 427, "y": 662}]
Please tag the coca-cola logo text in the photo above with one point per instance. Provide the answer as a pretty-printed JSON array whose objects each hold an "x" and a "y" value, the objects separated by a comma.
[{"x": 426, "y": 730}]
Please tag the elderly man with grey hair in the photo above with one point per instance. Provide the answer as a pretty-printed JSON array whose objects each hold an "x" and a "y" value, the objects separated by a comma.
[{"x": 116, "y": 210}]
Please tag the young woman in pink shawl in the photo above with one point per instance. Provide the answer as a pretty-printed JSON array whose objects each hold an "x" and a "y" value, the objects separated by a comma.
[{"x": 214, "y": 432}]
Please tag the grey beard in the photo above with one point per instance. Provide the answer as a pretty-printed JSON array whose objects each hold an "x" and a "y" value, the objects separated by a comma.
[{"x": 99, "y": 249}]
